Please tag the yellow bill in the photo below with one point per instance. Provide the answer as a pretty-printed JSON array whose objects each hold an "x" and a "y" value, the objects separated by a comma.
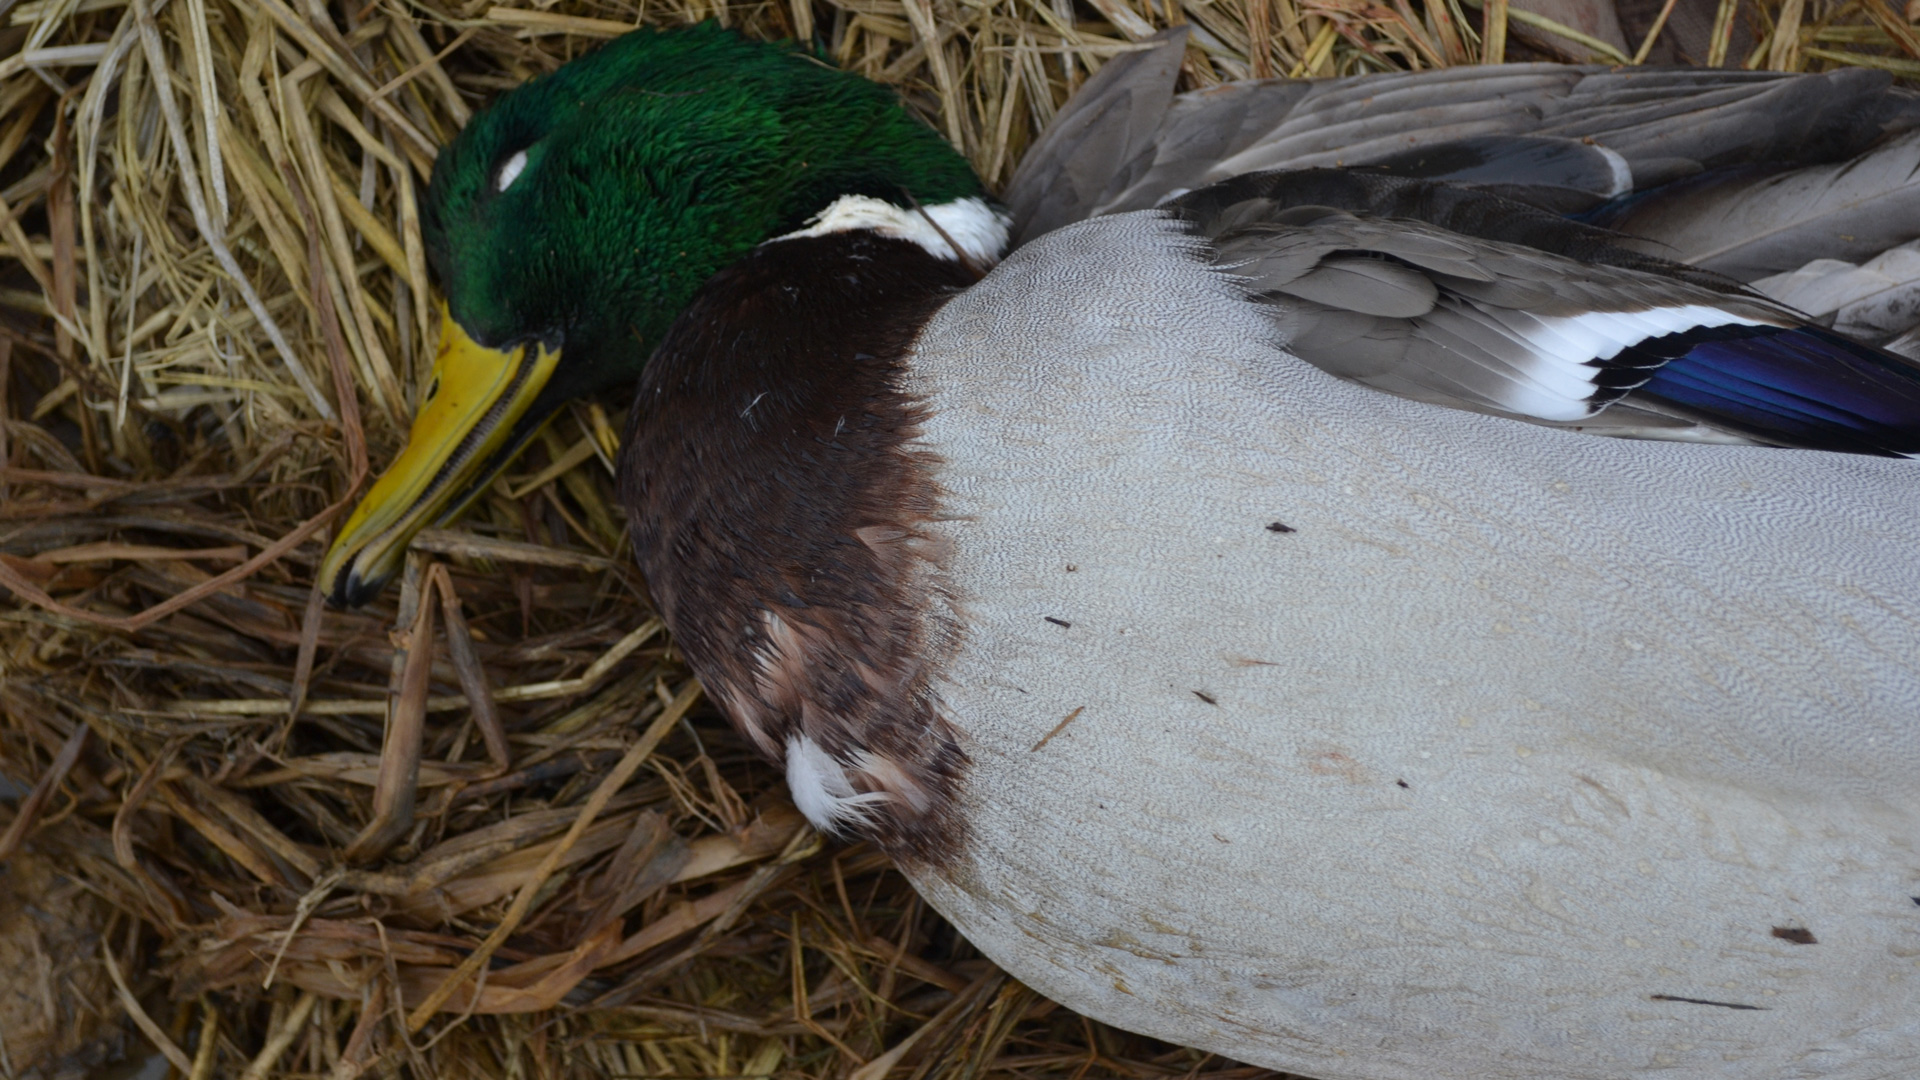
[{"x": 458, "y": 443}]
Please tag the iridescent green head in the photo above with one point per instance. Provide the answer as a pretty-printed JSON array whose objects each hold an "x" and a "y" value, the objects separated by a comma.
[
  {"x": 593, "y": 201},
  {"x": 574, "y": 218}
]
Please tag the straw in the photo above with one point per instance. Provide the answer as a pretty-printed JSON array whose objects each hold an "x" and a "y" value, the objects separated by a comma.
[{"x": 484, "y": 828}]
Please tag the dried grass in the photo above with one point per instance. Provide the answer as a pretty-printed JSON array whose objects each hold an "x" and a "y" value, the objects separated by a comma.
[{"x": 547, "y": 861}]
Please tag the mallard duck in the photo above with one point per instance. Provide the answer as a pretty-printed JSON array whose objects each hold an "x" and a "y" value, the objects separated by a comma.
[{"x": 1219, "y": 605}]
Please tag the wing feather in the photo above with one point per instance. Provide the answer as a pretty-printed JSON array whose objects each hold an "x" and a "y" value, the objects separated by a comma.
[
  {"x": 1343, "y": 295},
  {"x": 1445, "y": 293},
  {"x": 1874, "y": 301},
  {"x": 1752, "y": 224},
  {"x": 1369, "y": 286},
  {"x": 1664, "y": 123},
  {"x": 1109, "y": 126}
]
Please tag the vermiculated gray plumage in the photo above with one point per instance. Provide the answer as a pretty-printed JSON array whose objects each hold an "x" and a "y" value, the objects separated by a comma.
[{"x": 1519, "y": 755}]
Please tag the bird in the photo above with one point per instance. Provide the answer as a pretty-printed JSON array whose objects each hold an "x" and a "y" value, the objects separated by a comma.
[{"x": 1214, "y": 573}]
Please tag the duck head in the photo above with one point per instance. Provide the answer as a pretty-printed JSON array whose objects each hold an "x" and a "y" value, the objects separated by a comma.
[{"x": 571, "y": 222}]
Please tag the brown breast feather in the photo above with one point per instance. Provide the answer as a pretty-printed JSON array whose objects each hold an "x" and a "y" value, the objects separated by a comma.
[{"x": 779, "y": 500}]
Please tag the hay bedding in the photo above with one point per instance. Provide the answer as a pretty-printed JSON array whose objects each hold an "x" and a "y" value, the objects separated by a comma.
[{"x": 551, "y": 859}]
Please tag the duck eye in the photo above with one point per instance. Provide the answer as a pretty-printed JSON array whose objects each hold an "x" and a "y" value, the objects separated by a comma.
[{"x": 510, "y": 170}]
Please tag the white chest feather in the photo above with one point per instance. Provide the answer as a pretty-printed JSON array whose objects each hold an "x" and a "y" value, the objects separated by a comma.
[{"x": 1510, "y": 754}]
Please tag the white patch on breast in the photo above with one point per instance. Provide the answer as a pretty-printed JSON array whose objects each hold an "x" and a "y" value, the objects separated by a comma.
[
  {"x": 965, "y": 228},
  {"x": 820, "y": 787}
]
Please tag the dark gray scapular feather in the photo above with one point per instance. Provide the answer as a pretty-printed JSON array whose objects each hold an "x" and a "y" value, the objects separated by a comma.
[
  {"x": 1109, "y": 124},
  {"x": 1563, "y": 175},
  {"x": 1664, "y": 123},
  {"x": 1274, "y": 198},
  {"x": 1364, "y": 286},
  {"x": 1770, "y": 221}
]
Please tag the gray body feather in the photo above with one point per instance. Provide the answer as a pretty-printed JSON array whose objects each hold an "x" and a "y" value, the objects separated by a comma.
[{"x": 1521, "y": 756}]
